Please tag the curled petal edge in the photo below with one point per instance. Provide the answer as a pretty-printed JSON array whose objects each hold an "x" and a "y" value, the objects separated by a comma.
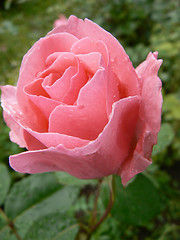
[{"x": 99, "y": 158}]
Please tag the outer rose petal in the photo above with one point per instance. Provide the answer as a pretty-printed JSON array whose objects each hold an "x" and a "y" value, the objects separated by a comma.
[
  {"x": 23, "y": 135},
  {"x": 16, "y": 134},
  {"x": 151, "y": 92},
  {"x": 150, "y": 118},
  {"x": 49, "y": 140},
  {"x": 10, "y": 105},
  {"x": 60, "y": 21},
  {"x": 133, "y": 166},
  {"x": 8, "y": 102},
  {"x": 34, "y": 62},
  {"x": 99, "y": 158}
]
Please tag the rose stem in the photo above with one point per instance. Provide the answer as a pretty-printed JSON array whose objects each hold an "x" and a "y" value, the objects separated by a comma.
[
  {"x": 93, "y": 219},
  {"x": 108, "y": 209}
]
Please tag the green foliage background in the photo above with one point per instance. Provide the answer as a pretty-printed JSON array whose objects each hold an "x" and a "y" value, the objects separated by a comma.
[{"x": 149, "y": 208}]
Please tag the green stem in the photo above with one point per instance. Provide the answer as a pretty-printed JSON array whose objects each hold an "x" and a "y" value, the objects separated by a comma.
[
  {"x": 94, "y": 213},
  {"x": 109, "y": 207}
]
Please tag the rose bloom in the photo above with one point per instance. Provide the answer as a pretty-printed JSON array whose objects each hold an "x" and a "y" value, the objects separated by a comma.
[{"x": 81, "y": 107}]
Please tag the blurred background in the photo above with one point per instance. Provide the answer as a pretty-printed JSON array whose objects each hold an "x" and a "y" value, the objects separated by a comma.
[{"x": 141, "y": 26}]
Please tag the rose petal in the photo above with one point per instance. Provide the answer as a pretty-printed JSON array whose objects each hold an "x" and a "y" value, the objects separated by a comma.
[
  {"x": 53, "y": 57},
  {"x": 88, "y": 118},
  {"x": 32, "y": 143},
  {"x": 76, "y": 83},
  {"x": 35, "y": 61},
  {"x": 97, "y": 159},
  {"x": 9, "y": 103},
  {"x": 102, "y": 49},
  {"x": 133, "y": 166},
  {"x": 8, "y": 97},
  {"x": 49, "y": 140},
  {"x": 113, "y": 91},
  {"x": 150, "y": 118},
  {"x": 151, "y": 92},
  {"x": 23, "y": 135},
  {"x": 44, "y": 103},
  {"x": 90, "y": 61},
  {"x": 10, "y": 106},
  {"x": 16, "y": 134},
  {"x": 86, "y": 45},
  {"x": 120, "y": 62},
  {"x": 60, "y": 87},
  {"x": 60, "y": 64},
  {"x": 150, "y": 110},
  {"x": 60, "y": 21},
  {"x": 35, "y": 88}
]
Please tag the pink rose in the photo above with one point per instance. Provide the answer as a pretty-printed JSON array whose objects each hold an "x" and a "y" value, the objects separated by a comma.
[
  {"x": 81, "y": 107},
  {"x": 60, "y": 21}
]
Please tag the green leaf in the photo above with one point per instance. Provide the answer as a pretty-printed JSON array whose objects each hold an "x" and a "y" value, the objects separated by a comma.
[
  {"x": 34, "y": 197},
  {"x": 52, "y": 226},
  {"x": 7, "y": 234},
  {"x": 29, "y": 191},
  {"x": 5, "y": 181},
  {"x": 2, "y": 220},
  {"x": 68, "y": 233},
  {"x": 58, "y": 202},
  {"x": 67, "y": 179},
  {"x": 137, "y": 203},
  {"x": 165, "y": 138}
]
